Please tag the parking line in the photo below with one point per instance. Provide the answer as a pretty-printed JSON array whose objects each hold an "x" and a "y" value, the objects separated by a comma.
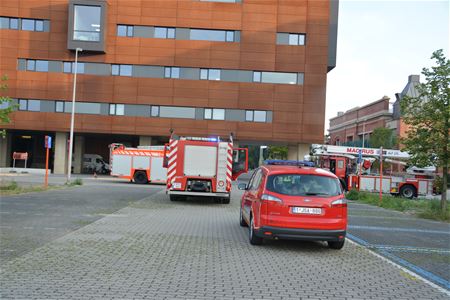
[
  {"x": 411, "y": 249},
  {"x": 378, "y": 228},
  {"x": 408, "y": 267}
]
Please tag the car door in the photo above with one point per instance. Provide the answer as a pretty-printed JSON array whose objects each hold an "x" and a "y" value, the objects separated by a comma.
[
  {"x": 251, "y": 195},
  {"x": 245, "y": 197}
]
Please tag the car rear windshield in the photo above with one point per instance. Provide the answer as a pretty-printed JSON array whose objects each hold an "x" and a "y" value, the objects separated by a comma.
[{"x": 304, "y": 185}]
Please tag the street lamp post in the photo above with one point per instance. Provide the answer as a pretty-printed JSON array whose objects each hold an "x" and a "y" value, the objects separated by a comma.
[{"x": 72, "y": 117}]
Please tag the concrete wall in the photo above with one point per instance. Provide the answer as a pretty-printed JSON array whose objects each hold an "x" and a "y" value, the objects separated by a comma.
[{"x": 60, "y": 160}]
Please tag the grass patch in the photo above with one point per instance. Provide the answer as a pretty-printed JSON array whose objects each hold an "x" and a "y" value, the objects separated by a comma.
[
  {"x": 77, "y": 181},
  {"x": 12, "y": 188},
  {"x": 423, "y": 208}
]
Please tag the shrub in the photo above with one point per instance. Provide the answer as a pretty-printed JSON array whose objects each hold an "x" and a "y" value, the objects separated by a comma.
[{"x": 353, "y": 194}]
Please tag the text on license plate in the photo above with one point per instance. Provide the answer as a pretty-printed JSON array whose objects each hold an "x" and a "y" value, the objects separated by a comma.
[{"x": 307, "y": 210}]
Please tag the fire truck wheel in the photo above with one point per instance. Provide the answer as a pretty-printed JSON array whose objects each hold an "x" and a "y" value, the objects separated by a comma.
[
  {"x": 408, "y": 191},
  {"x": 140, "y": 177},
  {"x": 226, "y": 200}
]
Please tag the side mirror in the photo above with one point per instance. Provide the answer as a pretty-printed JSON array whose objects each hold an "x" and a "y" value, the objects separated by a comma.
[{"x": 242, "y": 186}]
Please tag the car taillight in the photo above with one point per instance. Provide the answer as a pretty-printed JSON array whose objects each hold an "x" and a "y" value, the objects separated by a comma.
[
  {"x": 339, "y": 203},
  {"x": 267, "y": 197}
]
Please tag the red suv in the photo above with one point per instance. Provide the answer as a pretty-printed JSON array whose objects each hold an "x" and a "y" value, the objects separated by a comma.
[{"x": 286, "y": 201}]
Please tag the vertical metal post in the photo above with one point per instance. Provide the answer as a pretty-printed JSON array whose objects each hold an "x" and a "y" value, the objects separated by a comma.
[
  {"x": 381, "y": 175},
  {"x": 46, "y": 167},
  {"x": 72, "y": 119}
]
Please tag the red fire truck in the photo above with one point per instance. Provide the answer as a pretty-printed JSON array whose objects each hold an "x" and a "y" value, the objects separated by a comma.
[
  {"x": 353, "y": 167},
  {"x": 141, "y": 165},
  {"x": 202, "y": 167}
]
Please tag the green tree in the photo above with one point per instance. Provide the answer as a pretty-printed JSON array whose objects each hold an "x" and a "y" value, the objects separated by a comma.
[
  {"x": 278, "y": 152},
  {"x": 6, "y": 106},
  {"x": 382, "y": 137},
  {"x": 427, "y": 117}
]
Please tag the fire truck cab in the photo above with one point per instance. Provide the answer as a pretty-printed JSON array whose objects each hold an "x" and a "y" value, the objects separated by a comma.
[{"x": 202, "y": 167}]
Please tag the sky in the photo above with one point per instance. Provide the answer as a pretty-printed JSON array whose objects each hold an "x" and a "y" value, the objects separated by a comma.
[{"x": 381, "y": 43}]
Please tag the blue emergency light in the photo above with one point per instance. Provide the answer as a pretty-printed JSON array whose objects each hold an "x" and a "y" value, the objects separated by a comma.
[{"x": 298, "y": 163}]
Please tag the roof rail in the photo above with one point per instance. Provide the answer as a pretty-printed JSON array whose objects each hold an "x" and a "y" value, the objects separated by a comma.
[{"x": 280, "y": 162}]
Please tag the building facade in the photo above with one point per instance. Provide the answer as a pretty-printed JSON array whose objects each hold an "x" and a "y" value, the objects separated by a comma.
[
  {"x": 348, "y": 128},
  {"x": 256, "y": 68}
]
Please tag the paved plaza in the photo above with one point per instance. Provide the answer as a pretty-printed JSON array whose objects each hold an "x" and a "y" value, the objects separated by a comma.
[{"x": 157, "y": 249}]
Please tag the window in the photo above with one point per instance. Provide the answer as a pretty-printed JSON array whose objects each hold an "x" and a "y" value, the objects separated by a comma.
[
  {"x": 214, "y": 114},
  {"x": 31, "y": 65},
  {"x": 121, "y": 70},
  {"x": 230, "y": 36},
  {"x": 302, "y": 185},
  {"x": 257, "y": 76},
  {"x": 259, "y": 116},
  {"x": 41, "y": 66},
  {"x": 29, "y": 105},
  {"x": 25, "y": 24},
  {"x": 37, "y": 65},
  {"x": 171, "y": 72},
  {"x": 218, "y": 114},
  {"x": 155, "y": 111},
  {"x": 296, "y": 39},
  {"x": 87, "y": 22},
  {"x": 34, "y": 105},
  {"x": 69, "y": 67},
  {"x": 23, "y": 104},
  {"x": 210, "y": 74},
  {"x": 125, "y": 30},
  {"x": 164, "y": 33},
  {"x": 39, "y": 25},
  {"x": 277, "y": 77},
  {"x": 14, "y": 23},
  {"x": 255, "y": 116},
  {"x": 59, "y": 106},
  {"x": 207, "y": 114},
  {"x": 28, "y": 24},
  {"x": 249, "y": 115},
  {"x": 117, "y": 109}
]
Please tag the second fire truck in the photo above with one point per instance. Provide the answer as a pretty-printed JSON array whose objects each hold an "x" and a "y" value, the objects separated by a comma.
[
  {"x": 202, "y": 167},
  {"x": 353, "y": 167}
]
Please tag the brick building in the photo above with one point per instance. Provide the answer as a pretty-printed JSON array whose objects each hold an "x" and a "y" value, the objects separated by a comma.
[
  {"x": 254, "y": 68},
  {"x": 350, "y": 126}
]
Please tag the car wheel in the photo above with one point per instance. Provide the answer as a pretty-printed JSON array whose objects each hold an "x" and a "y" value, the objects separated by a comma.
[
  {"x": 140, "y": 177},
  {"x": 407, "y": 191},
  {"x": 336, "y": 245},
  {"x": 241, "y": 219},
  {"x": 254, "y": 240}
]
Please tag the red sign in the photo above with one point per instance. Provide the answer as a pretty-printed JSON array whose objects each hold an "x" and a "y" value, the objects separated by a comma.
[
  {"x": 20, "y": 155},
  {"x": 364, "y": 151}
]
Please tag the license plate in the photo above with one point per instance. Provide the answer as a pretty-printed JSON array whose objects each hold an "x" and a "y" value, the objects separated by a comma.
[
  {"x": 176, "y": 185},
  {"x": 307, "y": 210}
]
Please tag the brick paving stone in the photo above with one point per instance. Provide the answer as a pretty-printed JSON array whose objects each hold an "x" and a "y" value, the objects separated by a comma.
[{"x": 159, "y": 249}]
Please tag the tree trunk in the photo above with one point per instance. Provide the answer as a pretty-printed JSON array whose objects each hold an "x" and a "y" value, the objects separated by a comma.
[{"x": 444, "y": 189}]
